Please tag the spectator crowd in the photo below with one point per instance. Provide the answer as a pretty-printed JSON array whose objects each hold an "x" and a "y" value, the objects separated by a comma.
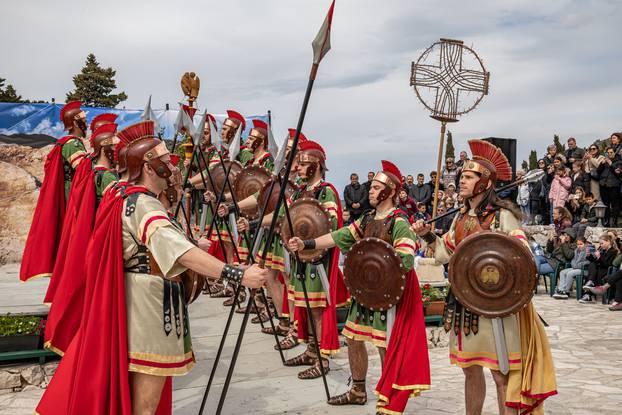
[{"x": 580, "y": 187}]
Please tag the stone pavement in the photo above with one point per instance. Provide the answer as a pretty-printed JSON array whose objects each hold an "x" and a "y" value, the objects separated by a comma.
[{"x": 586, "y": 342}]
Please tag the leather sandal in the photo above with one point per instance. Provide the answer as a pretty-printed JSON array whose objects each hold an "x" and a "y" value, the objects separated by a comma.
[
  {"x": 314, "y": 371},
  {"x": 280, "y": 330},
  {"x": 301, "y": 360},
  {"x": 351, "y": 397},
  {"x": 289, "y": 342}
]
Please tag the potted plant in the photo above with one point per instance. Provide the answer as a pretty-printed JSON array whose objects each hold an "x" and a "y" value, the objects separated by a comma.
[
  {"x": 20, "y": 332},
  {"x": 433, "y": 300}
]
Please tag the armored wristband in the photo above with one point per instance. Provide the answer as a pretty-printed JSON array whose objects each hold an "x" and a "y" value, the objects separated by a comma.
[
  {"x": 253, "y": 224},
  {"x": 231, "y": 273},
  {"x": 429, "y": 238},
  {"x": 309, "y": 244}
]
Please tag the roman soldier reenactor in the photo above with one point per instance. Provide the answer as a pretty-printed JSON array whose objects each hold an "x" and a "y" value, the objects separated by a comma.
[
  {"x": 134, "y": 333},
  {"x": 278, "y": 281},
  {"x": 405, "y": 364},
  {"x": 525, "y": 354},
  {"x": 312, "y": 168},
  {"x": 93, "y": 178},
  {"x": 47, "y": 224}
]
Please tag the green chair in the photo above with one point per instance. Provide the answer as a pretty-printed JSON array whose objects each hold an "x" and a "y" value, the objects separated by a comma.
[{"x": 579, "y": 281}]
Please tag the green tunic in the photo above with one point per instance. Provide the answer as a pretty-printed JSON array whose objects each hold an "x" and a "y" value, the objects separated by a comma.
[
  {"x": 362, "y": 323},
  {"x": 316, "y": 293},
  {"x": 72, "y": 151},
  {"x": 104, "y": 179}
]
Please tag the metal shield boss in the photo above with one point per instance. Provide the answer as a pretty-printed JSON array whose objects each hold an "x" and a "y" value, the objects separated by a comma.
[{"x": 310, "y": 220}]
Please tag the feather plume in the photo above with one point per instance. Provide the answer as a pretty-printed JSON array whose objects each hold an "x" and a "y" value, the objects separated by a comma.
[{"x": 484, "y": 150}]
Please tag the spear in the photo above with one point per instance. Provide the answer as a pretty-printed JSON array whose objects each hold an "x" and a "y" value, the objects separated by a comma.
[
  {"x": 531, "y": 177},
  {"x": 321, "y": 46}
]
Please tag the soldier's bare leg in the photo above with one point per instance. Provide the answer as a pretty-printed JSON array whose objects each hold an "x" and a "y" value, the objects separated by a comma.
[
  {"x": 358, "y": 359},
  {"x": 474, "y": 389},
  {"x": 357, "y": 356},
  {"x": 276, "y": 290},
  {"x": 382, "y": 351},
  {"x": 501, "y": 382},
  {"x": 146, "y": 391}
]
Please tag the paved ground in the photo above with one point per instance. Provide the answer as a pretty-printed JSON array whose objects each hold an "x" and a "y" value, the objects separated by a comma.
[{"x": 586, "y": 341}]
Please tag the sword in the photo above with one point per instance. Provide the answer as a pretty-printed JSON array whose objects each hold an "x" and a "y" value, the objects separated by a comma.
[
  {"x": 286, "y": 260},
  {"x": 390, "y": 321},
  {"x": 258, "y": 241},
  {"x": 234, "y": 228},
  {"x": 203, "y": 219},
  {"x": 324, "y": 279},
  {"x": 502, "y": 348}
]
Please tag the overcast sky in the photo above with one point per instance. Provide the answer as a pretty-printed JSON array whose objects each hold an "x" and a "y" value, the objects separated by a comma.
[{"x": 555, "y": 66}]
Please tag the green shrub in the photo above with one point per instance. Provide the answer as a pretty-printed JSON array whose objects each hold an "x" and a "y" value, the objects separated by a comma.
[{"x": 20, "y": 325}]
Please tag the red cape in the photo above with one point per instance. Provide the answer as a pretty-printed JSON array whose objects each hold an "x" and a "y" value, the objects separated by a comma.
[
  {"x": 93, "y": 376},
  {"x": 82, "y": 173},
  {"x": 406, "y": 365},
  {"x": 69, "y": 282},
  {"x": 329, "y": 340},
  {"x": 47, "y": 222}
]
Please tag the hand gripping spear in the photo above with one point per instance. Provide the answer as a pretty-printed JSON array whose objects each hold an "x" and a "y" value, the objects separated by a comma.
[{"x": 321, "y": 45}]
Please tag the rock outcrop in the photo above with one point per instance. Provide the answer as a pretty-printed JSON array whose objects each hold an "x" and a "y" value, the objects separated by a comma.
[{"x": 21, "y": 174}]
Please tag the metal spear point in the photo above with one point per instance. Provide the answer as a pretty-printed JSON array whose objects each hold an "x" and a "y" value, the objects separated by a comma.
[{"x": 234, "y": 148}]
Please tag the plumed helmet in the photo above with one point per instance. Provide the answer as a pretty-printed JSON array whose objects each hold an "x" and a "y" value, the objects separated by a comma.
[
  {"x": 104, "y": 137},
  {"x": 102, "y": 119},
  {"x": 489, "y": 163},
  {"x": 69, "y": 112}
]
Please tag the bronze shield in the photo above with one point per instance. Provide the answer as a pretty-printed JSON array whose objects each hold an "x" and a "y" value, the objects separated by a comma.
[
  {"x": 374, "y": 274},
  {"x": 248, "y": 182},
  {"x": 265, "y": 191},
  {"x": 309, "y": 219},
  {"x": 492, "y": 274},
  {"x": 218, "y": 175},
  {"x": 193, "y": 284}
]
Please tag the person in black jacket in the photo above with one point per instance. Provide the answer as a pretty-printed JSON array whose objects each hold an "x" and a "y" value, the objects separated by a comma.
[
  {"x": 420, "y": 192},
  {"x": 573, "y": 153},
  {"x": 609, "y": 173},
  {"x": 600, "y": 261},
  {"x": 587, "y": 217},
  {"x": 580, "y": 178},
  {"x": 355, "y": 195},
  {"x": 367, "y": 185}
]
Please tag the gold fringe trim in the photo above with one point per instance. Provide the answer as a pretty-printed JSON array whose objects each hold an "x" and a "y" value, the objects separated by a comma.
[
  {"x": 48, "y": 345},
  {"x": 160, "y": 358},
  {"x": 45, "y": 274},
  {"x": 161, "y": 371}
]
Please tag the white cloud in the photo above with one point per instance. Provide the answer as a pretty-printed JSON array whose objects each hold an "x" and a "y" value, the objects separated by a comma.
[{"x": 555, "y": 66}]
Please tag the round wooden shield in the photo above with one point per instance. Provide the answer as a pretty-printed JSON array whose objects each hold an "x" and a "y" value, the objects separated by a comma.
[
  {"x": 492, "y": 274},
  {"x": 265, "y": 191},
  {"x": 193, "y": 284},
  {"x": 374, "y": 274},
  {"x": 309, "y": 219},
  {"x": 218, "y": 175},
  {"x": 250, "y": 180}
]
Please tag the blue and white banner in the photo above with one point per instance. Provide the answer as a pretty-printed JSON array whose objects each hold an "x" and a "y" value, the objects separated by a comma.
[{"x": 18, "y": 118}]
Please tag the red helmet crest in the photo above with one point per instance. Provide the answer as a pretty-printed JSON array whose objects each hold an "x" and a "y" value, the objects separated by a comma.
[
  {"x": 237, "y": 116},
  {"x": 102, "y": 119}
]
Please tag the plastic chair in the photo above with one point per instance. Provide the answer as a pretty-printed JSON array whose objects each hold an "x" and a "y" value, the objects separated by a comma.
[
  {"x": 554, "y": 277},
  {"x": 579, "y": 281}
]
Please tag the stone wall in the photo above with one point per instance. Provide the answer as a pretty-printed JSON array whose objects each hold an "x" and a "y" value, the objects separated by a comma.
[
  {"x": 540, "y": 233},
  {"x": 20, "y": 377},
  {"x": 21, "y": 175}
]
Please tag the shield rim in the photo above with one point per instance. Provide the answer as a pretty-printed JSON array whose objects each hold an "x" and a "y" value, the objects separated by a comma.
[
  {"x": 465, "y": 301},
  {"x": 395, "y": 256}
]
